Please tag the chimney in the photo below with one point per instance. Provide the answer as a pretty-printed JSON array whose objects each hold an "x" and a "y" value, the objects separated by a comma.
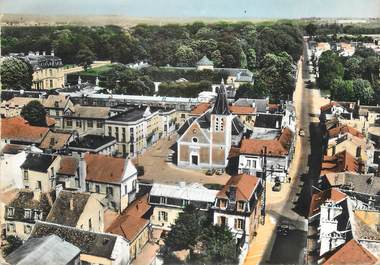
[
  {"x": 71, "y": 204},
  {"x": 79, "y": 80},
  {"x": 358, "y": 151},
  {"x": 277, "y": 124},
  {"x": 232, "y": 193},
  {"x": 52, "y": 53},
  {"x": 37, "y": 53},
  {"x": 82, "y": 173},
  {"x": 97, "y": 81},
  {"x": 371, "y": 203},
  {"x": 43, "y": 53}
]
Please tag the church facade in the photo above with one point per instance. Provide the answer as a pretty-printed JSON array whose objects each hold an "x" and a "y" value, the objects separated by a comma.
[{"x": 205, "y": 141}]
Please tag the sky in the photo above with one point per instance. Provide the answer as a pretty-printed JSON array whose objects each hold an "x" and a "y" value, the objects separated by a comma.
[{"x": 197, "y": 8}]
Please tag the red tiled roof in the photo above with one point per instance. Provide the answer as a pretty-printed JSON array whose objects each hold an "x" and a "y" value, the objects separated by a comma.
[
  {"x": 339, "y": 162},
  {"x": 50, "y": 121},
  {"x": 351, "y": 252},
  {"x": 102, "y": 168},
  {"x": 200, "y": 108},
  {"x": 344, "y": 129},
  {"x": 242, "y": 110},
  {"x": 275, "y": 147},
  {"x": 328, "y": 106},
  {"x": 18, "y": 129},
  {"x": 317, "y": 199},
  {"x": 55, "y": 140},
  {"x": 245, "y": 186},
  {"x": 131, "y": 221},
  {"x": 68, "y": 166}
]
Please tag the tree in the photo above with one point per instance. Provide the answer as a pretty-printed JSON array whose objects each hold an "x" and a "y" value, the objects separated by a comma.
[
  {"x": 330, "y": 68},
  {"x": 363, "y": 91},
  {"x": 352, "y": 68},
  {"x": 243, "y": 60},
  {"x": 187, "y": 229},
  {"x": 185, "y": 56},
  {"x": 342, "y": 90},
  {"x": 16, "y": 74},
  {"x": 34, "y": 113},
  {"x": 216, "y": 58},
  {"x": 311, "y": 29},
  {"x": 220, "y": 246},
  {"x": 85, "y": 57},
  {"x": 256, "y": 90},
  {"x": 370, "y": 68},
  {"x": 251, "y": 59},
  {"x": 13, "y": 242},
  {"x": 276, "y": 75}
]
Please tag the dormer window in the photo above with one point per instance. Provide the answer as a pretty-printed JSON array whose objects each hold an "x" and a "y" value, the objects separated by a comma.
[
  {"x": 56, "y": 104},
  {"x": 27, "y": 214},
  {"x": 240, "y": 206},
  {"x": 10, "y": 212},
  {"x": 222, "y": 203}
]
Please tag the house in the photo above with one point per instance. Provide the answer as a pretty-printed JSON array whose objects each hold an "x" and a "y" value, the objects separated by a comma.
[
  {"x": 95, "y": 144},
  {"x": 260, "y": 105},
  {"x": 16, "y": 130},
  {"x": 279, "y": 153},
  {"x": 133, "y": 224},
  {"x": 337, "y": 109},
  {"x": 25, "y": 209},
  {"x": 364, "y": 187},
  {"x": 246, "y": 115},
  {"x": 332, "y": 195},
  {"x": 341, "y": 162},
  {"x": 116, "y": 178},
  {"x": 135, "y": 129},
  {"x": 55, "y": 106},
  {"x": 340, "y": 130},
  {"x": 96, "y": 248},
  {"x": 267, "y": 126},
  {"x": 69, "y": 175},
  {"x": 238, "y": 206},
  {"x": 77, "y": 209},
  {"x": 46, "y": 250},
  {"x": 85, "y": 119},
  {"x": 169, "y": 200},
  {"x": 55, "y": 141},
  {"x": 205, "y": 141},
  {"x": 351, "y": 252},
  {"x": 12, "y": 107},
  {"x": 39, "y": 171}
]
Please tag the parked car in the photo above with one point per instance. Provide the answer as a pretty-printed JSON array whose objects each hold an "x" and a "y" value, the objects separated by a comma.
[
  {"x": 301, "y": 132},
  {"x": 210, "y": 172},
  {"x": 219, "y": 171},
  {"x": 283, "y": 228},
  {"x": 277, "y": 186}
]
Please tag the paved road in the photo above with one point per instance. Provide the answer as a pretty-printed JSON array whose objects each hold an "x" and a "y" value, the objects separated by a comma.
[{"x": 291, "y": 249}]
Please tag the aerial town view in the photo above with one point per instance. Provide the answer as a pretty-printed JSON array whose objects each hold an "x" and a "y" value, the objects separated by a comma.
[{"x": 165, "y": 132}]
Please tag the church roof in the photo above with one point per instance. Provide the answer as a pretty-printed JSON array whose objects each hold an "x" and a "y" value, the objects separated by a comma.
[
  {"x": 205, "y": 61},
  {"x": 221, "y": 104}
]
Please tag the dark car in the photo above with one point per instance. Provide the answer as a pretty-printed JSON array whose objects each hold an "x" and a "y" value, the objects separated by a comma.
[
  {"x": 277, "y": 186},
  {"x": 283, "y": 228}
]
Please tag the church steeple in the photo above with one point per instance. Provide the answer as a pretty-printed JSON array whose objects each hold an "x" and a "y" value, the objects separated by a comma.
[{"x": 221, "y": 104}]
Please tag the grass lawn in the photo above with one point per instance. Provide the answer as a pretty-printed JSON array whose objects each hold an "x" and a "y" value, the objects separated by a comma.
[{"x": 96, "y": 71}]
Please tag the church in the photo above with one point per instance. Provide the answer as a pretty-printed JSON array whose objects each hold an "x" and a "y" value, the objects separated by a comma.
[{"x": 205, "y": 141}]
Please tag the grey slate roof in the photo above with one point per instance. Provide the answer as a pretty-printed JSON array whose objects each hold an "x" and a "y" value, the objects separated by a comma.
[
  {"x": 186, "y": 125},
  {"x": 258, "y": 103},
  {"x": 205, "y": 61},
  {"x": 42, "y": 251},
  {"x": 61, "y": 213},
  {"x": 221, "y": 104},
  {"x": 38, "y": 162},
  {"x": 237, "y": 126},
  {"x": 268, "y": 121},
  {"x": 91, "y": 141},
  {"x": 91, "y": 243}
]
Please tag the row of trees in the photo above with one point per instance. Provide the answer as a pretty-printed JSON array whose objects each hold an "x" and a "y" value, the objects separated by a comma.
[
  {"x": 350, "y": 79},
  {"x": 227, "y": 44}
]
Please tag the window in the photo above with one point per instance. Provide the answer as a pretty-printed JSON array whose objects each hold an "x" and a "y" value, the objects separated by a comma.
[
  {"x": 11, "y": 227},
  {"x": 87, "y": 187},
  {"x": 99, "y": 124},
  {"x": 251, "y": 163},
  {"x": 163, "y": 200},
  {"x": 240, "y": 206},
  {"x": 195, "y": 139},
  {"x": 222, "y": 220},
  {"x": 10, "y": 212},
  {"x": 51, "y": 83},
  {"x": 113, "y": 205},
  {"x": 57, "y": 113},
  {"x": 162, "y": 216},
  {"x": 26, "y": 176},
  {"x": 78, "y": 123},
  {"x": 134, "y": 185},
  {"x": 110, "y": 190},
  {"x": 222, "y": 203},
  {"x": 69, "y": 123},
  {"x": 126, "y": 189},
  {"x": 217, "y": 124},
  {"x": 39, "y": 185},
  {"x": 239, "y": 224},
  {"x": 89, "y": 224},
  {"x": 97, "y": 188},
  {"x": 90, "y": 124},
  {"x": 37, "y": 215},
  {"x": 221, "y": 124},
  {"x": 27, "y": 214},
  {"x": 109, "y": 131},
  {"x": 27, "y": 229}
]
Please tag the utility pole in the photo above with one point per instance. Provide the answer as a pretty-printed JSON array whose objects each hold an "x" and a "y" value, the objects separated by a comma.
[{"x": 264, "y": 178}]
